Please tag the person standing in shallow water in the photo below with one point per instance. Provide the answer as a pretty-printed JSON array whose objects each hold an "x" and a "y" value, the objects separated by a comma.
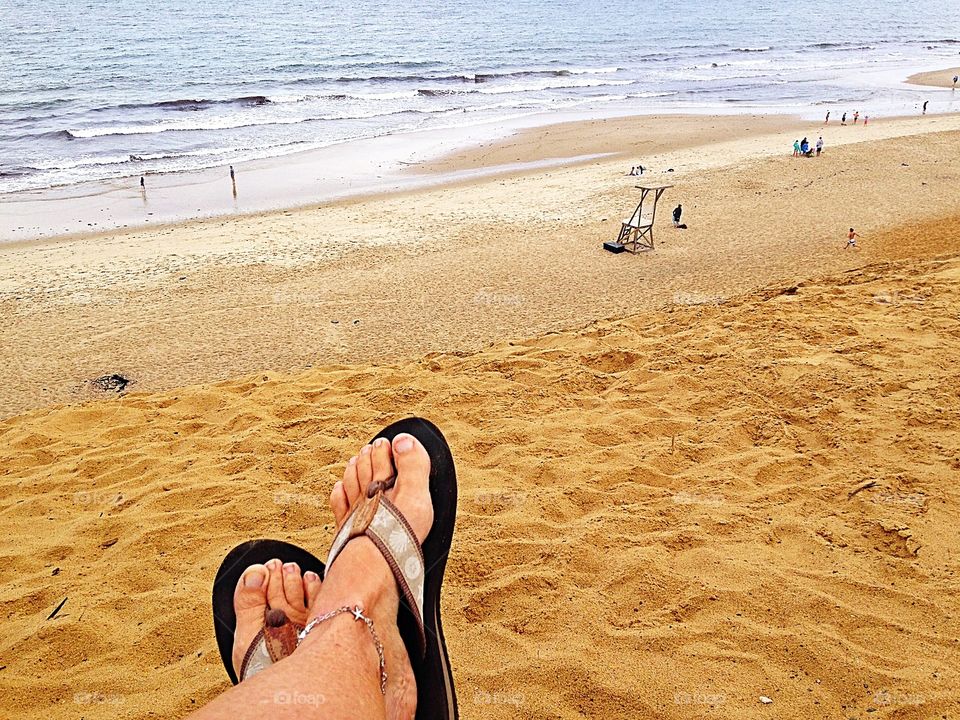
[
  {"x": 843, "y": 120},
  {"x": 925, "y": 106},
  {"x": 827, "y": 121}
]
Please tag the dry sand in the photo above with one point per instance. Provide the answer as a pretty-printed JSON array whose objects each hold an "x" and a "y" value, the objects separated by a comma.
[
  {"x": 666, "y": 516},
  {"x": 936, "y": 78},
  {"x": 729, "y": 493}
]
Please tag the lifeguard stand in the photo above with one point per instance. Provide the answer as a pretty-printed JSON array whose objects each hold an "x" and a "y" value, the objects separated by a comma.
[{"x": 636, "y": 233}]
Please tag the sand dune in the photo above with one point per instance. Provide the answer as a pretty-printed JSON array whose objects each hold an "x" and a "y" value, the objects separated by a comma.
[{"x": 664, "y": 516}]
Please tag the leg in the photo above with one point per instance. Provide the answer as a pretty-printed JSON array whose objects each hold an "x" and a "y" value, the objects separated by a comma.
[{"x": 335, "y": 673}]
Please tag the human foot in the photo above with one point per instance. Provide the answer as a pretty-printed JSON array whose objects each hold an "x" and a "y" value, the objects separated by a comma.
[
  {"x": 274, "y": 586},
  {"x": 367, "y": 579}
]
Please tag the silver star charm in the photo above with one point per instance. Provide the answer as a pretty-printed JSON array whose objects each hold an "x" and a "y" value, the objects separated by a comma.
[{"x": 357, "y": 613}]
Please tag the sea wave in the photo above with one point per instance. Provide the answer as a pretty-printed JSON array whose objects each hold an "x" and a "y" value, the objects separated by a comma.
[{"x": 232, "y": 123}]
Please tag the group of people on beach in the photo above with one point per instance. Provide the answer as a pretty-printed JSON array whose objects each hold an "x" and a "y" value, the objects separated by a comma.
[
  {"x": 856, "y": 118},
  {"x": 802, "y": 148}
]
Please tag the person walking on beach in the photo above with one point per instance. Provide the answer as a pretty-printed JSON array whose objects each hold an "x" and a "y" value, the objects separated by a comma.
[
  {"x": 819, "y": 145},
  {"x": 856, "y": 116},
  {"x": 143, "y": 185},
  {"x": 852, "y": 240},
  {"x": 677, "y": 212},
  {"x": 925, "y": 106},
  {"x": 843, "y": 120},
  {"x": 232, "y": 177},
  {"x": 827, "y": 121},
  {"x": 796, "y": 148},
  {"x": 955, "y": 78},
  {"x": 866, "y": 119}
]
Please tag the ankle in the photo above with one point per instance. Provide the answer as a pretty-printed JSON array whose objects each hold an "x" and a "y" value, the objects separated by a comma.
[{"x": 360, "y": 576}]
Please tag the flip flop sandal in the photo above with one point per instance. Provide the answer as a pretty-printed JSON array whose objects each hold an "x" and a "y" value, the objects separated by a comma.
[
  {"x": 418, "y": 570},
  {"x": 278, "y": 638}
]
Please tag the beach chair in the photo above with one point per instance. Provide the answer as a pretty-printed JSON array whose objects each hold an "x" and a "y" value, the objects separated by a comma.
[{"x": 636, "y": 232}]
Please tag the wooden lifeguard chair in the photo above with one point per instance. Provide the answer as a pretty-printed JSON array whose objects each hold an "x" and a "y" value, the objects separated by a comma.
[{"x": 637, "y": 231}]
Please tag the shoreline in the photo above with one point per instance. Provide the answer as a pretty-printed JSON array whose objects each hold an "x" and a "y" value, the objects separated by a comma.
[{"x": 378, "y": 166}]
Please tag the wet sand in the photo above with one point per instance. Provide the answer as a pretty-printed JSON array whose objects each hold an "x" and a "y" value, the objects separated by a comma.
[{"x": 936, "y": 78}]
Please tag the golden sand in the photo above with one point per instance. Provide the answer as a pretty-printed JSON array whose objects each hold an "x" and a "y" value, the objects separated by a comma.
[{"x": 665, "y": 516}]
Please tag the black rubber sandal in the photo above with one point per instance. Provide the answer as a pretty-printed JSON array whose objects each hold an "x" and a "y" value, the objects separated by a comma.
[
  {"x": 277, "y": 639},
  {"x": 418, "y": 569}
]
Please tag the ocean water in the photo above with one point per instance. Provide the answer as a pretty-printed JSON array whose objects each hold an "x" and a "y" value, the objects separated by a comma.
[{"x": 100, "y": 89}]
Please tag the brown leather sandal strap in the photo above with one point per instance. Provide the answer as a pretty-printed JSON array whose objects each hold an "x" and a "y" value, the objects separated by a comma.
[{"x": 276, "y": 640}]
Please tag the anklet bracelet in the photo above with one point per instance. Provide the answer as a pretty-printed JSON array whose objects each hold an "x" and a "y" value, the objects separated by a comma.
[{"x": 358, "y": 615}]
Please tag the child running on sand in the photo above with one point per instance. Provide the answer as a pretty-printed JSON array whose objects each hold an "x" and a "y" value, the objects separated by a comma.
[
  {"x": 852, "y": 240},
  {"x": 796, "y": 148}
]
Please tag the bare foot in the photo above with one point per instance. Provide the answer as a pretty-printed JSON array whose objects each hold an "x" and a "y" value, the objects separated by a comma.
[
  {"x": 267, "y": 587},
  {"x": 360, "y": 575}
]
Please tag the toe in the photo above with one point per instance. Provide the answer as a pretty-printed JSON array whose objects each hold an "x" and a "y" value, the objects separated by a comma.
[
  {"x": 251, "y": 590},
  {"x": 293, "y": 586},
  {"x": 311, "y": 587},
  {"x": 382, "y": 460},
  {"x": 411, "y": 494},
  {"x": 412, "y": 460},
  {"x": 339, "y": 503},
  {"x": 276, "y": 598},
  {"x": 250, "y": 604},
  {"x": 364, "y": 468},
  {"x": 351, "y": 482}
]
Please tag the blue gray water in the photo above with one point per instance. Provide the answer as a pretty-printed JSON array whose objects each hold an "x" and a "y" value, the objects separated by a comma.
[{"x": 97, "y": 89}]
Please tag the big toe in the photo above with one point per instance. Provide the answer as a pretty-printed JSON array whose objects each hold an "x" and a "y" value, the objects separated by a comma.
[
  {"x": 250, "y": 605},
  {"x": 412, "y": 491}
]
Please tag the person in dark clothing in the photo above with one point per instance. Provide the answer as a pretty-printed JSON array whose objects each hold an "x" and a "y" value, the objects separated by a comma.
[
  {"x": 142, "y": 183},
  {"x": 677, "y": 212}
]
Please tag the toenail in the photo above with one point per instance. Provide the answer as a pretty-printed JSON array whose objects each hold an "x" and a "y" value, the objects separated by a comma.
[
  {"x": 311, "y": 576},
  {"x": 253, "y": 579},
  {"x": 366, "y": 450},
  {"x": 379, "y": 442},
  {"x": 352, "y": 461},
  {"x": 404, "y": 444},
  {"x": 290, "y": 568},
  {"x": 273, "y": 564}
]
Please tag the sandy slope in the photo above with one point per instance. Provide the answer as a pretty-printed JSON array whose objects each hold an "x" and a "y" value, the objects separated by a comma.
[{"x": 660, "y": 515}]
